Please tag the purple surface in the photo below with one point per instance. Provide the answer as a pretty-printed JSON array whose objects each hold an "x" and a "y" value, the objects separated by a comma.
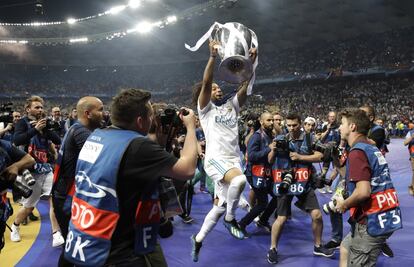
[{"x": 296, "y": 243}]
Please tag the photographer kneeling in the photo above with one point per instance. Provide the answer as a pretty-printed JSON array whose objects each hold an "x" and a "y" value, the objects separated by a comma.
[
  {"x": 292, "y": 158},
  {"x": 115, "y": 208}
]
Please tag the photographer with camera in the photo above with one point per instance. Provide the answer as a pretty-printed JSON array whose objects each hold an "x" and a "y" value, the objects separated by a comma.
[
  {"x": 292, "y": 157},
  {"x": 57, "y": 122},
  {"x": 32, "y": 133},
  {"x": 12, "y": 162},
  {"x": 330, "y": 133},
  {"x": 90, "y": 117},
  {"x": 115, "y": 209},
  {"x": 259, "y": 173},
  {"x": 377, "y": 137},
  {"x": 7, "y": 132},
  {"x": 278, "y": 127},
  {"x": 372, "y": 200}
]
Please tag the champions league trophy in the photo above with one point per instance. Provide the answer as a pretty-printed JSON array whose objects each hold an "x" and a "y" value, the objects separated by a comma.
[{"x": 235, "y": 41}]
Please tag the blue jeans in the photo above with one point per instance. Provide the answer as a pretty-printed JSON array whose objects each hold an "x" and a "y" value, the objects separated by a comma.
[{"x": 336, "y": 218}]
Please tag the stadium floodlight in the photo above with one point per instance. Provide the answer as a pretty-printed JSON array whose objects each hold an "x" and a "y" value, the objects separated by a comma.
[
  {"x": 8, "y": 41},
  {"x": 78, "y": 40},
  {"x": 134, "y": 3},
  {"x": 71, "y": 21},
  {"x": 23, "y": 42},
  {"x": 171, "y": 19},
  {"x": 116, "y": 9},
  {"x": 157, "y": 24},
  {"x": 144, "y": 27}
]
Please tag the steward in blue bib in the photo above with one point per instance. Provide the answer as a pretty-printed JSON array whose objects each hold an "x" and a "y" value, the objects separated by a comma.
[
  {"x": 95, "y": 210},
  {"x": 302, "y": 170},
  {"x": 382, "y": 210}
]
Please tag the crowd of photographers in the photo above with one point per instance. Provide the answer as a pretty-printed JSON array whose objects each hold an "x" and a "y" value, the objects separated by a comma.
[
  {"x": 279, "y": 155},
  {"x": 41, "y": 134}
]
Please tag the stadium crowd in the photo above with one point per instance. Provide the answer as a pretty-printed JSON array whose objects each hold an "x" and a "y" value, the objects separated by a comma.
[{"x": 35, "y": 122}]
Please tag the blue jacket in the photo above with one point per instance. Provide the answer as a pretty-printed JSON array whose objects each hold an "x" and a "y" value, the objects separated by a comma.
[{"x": 257, "y": 162}]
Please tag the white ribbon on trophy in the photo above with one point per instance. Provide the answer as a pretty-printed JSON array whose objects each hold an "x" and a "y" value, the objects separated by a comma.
[{"x": 230, "y": 52}]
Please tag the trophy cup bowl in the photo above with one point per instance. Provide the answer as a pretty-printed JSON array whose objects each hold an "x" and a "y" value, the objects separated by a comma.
[{"x": 235, "y": 41}]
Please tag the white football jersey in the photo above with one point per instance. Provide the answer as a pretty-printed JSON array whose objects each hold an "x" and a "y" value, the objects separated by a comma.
[{"x": 221, "y": 129}]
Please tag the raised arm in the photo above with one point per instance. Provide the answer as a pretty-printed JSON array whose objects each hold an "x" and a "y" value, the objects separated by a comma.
[{"x": 206, "y": 87}]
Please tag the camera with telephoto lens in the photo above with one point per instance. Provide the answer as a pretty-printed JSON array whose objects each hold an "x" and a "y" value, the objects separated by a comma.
[
  {"x": 288, "y": 178},
  {"x": 172, "y": 124},
  {"x": 329, "y": 150},
  {"x": 6, "y": 113},
  {"x": 170, "y": 117},
  {"x": 28, "y": 178},
  {"x": 340, "y": 193},
  {"x": 16, "y": 186}
]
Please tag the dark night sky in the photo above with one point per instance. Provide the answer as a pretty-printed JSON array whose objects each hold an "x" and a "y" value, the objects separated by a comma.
[{"x": 15, "y": 11}]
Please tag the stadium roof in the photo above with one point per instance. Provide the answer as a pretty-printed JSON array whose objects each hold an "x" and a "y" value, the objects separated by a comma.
[{"x": 279, "y": 24}]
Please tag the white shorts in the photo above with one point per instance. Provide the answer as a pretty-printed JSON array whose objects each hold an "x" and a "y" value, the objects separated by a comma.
[
  {"x": 216, "y": 169},
  {"x": 42, "y": 187}
]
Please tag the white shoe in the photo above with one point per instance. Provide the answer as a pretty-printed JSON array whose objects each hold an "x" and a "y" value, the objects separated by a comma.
[
  {"x": 15, "y": 233},
  {"x": 329, "y": 189},
  {"x": 58, "y": 240},
  {"x": 322, "y": 190}
]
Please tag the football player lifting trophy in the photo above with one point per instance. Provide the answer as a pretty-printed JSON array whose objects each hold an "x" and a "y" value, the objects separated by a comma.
[{"x": 235, "y": 40}]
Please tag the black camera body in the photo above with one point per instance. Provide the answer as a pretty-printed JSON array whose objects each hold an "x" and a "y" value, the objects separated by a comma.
[
  {"x": 172, "y": 124},
  {"x": 329, "y": 150},
  {"x": 52, "y": 125},
  {"x": 288, "y": 178},
  {"x": 6, "y": 113},
  {"x": 318, "y": 180},
  {"x": 282, "y": 144},
  {"x": 170, "y": 117}
]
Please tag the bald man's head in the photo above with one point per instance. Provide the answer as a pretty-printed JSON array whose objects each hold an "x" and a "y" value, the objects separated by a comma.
[
  {"x": 87, "y": 103},
  {"x": 90, "y": 111}
]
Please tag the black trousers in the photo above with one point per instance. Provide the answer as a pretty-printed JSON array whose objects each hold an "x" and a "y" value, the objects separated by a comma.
[
  {"x": 63, "y": 220},
  {"x": 263, "y": 205}
]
